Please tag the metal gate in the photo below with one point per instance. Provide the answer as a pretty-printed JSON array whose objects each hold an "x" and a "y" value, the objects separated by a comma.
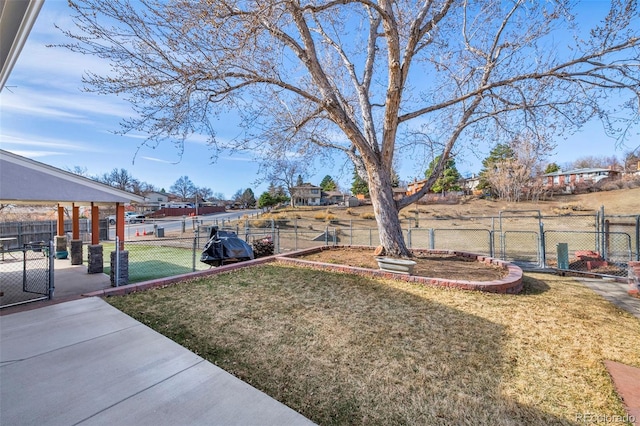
[{"x": 26, "y": 274}]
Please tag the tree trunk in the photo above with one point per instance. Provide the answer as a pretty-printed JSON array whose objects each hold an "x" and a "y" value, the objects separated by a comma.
[{"x": 386, "y": 212}]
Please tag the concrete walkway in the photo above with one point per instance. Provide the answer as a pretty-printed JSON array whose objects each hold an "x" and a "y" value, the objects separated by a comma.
[
  {"x": 85, "y": 362},
  {"x": 615, "y": 292}
]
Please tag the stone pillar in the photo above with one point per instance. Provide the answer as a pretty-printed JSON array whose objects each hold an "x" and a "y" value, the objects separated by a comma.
[
  {"x": 76, "y": 252},
  {"x": 123, "y": 265},
  {"x": 61, "y": 247},
  {"x": 95, "y": 259}
]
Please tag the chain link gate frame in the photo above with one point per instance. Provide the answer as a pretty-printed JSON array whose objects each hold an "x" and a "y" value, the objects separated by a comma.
[{"x": 26, "y": 274}]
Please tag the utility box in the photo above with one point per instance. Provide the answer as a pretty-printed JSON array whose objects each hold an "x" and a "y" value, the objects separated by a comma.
[
  {"x": 160, "y": 232},
  {"x": 563, "y": 255}
]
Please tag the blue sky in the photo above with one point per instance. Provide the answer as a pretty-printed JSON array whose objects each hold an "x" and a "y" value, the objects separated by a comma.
[{"x": 45, "y": 116}]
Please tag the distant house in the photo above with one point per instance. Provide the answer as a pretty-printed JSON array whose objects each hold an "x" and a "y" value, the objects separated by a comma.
[
  {"x": 415, "y": 186},
  {"x": 470, "y": 185},
  {"x": 333, "y": 197},
  {"x": 399, "y": 193},
  {"x": 567, "y": 181},
  {"x": 306, "y": 195},
  {"x": 155, "y": 200}
]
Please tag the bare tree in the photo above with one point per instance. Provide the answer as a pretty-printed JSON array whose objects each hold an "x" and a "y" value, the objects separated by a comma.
[
  {"x": 121, "y": 179},
  {"x": 353, "y": 76},
  {"x": 591, "y": 161},
  {"x": 517, "y": 177},
  {"x": 184, "y": 188},
  {"x": 286, "y": 173}
]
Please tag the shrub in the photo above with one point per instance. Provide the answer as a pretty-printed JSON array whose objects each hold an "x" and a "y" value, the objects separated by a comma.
[
  {"x": 609, "y": 186},
  {"x": 368, "y": 216}
]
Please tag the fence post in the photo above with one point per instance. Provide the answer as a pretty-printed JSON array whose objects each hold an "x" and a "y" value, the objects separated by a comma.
[
  {"x": 117, "y": 263},
  {"x": 409, "y": 236},
  {"x": 601, "y": 249},
  {"x": 370, "y": 238},
  {"x": 326, "y": 236},
  {"x": 51, "y": 270},
  {"x": 273, "y": 229},
  {"x": 543, "y": 247},
  {"x": 492, "y": 242},
  {"x": 295, "y": 233},
  {"x": 637, "y": 238},
  {"x": 432, "y": 239},
  {"x": 606, "y": 240},
  {"x": 193, "y": 252}
]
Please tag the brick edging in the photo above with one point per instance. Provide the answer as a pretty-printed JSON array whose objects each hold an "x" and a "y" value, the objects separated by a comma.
[{"x": 510, "y": 284}]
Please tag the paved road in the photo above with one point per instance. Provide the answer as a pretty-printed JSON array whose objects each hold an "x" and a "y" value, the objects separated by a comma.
[{"x": 175, "y": 223}]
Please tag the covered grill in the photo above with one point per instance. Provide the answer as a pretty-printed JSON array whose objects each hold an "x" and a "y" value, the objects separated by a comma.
[{"x": 225, "y": 246}]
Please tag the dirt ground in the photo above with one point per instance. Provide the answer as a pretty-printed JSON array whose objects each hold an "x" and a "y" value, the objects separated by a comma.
[
  {"x": 618, "y": 202},
  {"x": 427, "y": 265}
]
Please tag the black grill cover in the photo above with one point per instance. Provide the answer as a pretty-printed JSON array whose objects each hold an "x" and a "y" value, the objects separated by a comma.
[{"x": 224, "y": 245}]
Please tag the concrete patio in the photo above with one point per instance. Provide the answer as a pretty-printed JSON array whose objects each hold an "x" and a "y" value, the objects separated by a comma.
[{"x": 85, "y": 362}]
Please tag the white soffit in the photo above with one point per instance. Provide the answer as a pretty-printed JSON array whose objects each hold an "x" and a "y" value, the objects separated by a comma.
[{"x": 16, "y": 20}]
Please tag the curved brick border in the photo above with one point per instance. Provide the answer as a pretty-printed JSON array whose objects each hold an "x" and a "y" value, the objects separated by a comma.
[{"x": 510, "y": 284}]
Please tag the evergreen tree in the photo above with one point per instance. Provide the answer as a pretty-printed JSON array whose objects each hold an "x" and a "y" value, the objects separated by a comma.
[
  {"x": 266, "y": 200},
  {"x": 499, "y": 154},
  {"x": 449, "y": 179},
  {"x": 551, "y": 168},
  {"x": 248, "y": 198},
  {"x": 359, "y": 186},
  {"x": 328, "y": 184}
]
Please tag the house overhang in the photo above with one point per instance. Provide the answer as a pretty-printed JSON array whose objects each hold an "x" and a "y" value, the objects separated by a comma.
[
  {"x": 25, "y": 181},
  {"x": 16, "y": 20}
]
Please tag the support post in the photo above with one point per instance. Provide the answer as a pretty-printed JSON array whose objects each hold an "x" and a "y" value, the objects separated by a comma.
[
  {"x": 120, "y": 225},
  {"x": 60, "y": 230},
  {"x": 75, "y": 222},
  {"x": 95, "y": 224}
]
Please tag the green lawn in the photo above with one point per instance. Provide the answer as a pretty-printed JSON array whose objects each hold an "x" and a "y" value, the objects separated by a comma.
[
  {"x": 151, "y": 260},
  {"x": 345, "y": 349}
]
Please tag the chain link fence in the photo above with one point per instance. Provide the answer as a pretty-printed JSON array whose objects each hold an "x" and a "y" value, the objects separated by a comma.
[
  {"x": 25, "y": 274},
  {"x": 596, "y": 244}
]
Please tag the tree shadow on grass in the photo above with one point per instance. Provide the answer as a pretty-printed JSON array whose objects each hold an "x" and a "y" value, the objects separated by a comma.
[{"x": 533, "y": 286}]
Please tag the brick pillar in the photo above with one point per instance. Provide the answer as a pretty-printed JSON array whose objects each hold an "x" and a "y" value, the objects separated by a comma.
[
  {"x": 95, "y": 259},
  {"x": 61, "y": 247},
  {"x": 124, "y": 268},
  {"x": 76, "y": 252}
]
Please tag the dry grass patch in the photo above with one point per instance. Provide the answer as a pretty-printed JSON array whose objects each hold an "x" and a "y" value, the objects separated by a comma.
[{"x": 345, "y": 349}]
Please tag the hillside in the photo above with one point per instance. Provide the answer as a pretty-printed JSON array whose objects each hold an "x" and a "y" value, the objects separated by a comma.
[{"x": 618, "y": 202}]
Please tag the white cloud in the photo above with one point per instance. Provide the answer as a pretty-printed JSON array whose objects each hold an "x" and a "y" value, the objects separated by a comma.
[
  {"x": 55, "y": 144},
  {"x": 158, "y": 160}
]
